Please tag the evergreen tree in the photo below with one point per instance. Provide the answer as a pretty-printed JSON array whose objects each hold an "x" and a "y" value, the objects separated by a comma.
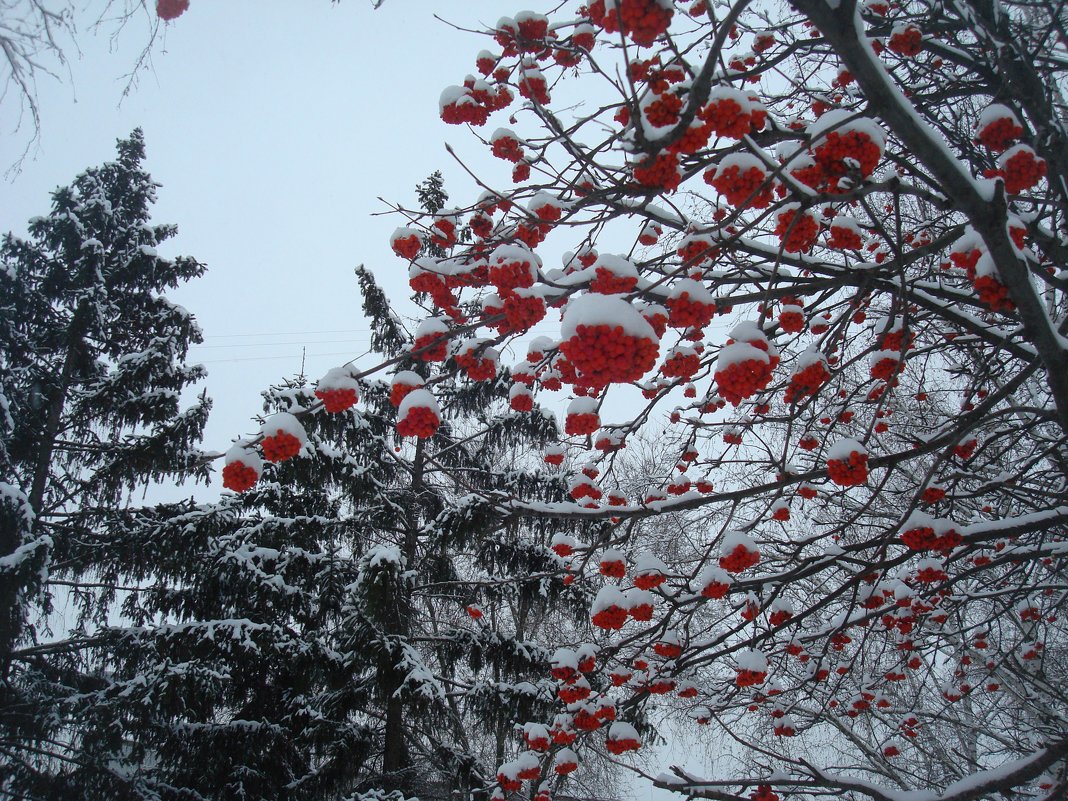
[
  {"x": 92, "y": 367},
  {"x": 352, "y": 624}
]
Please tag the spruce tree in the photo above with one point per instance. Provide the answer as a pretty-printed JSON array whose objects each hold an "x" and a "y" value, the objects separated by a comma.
[
  {"x": 353, "y": 624},
  {"x": 92, "y": 369}
]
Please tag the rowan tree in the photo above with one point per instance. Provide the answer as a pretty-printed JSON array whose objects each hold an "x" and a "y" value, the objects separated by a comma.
[
  {"x": 818, "y": 249},
  {"x": 92, "y": 370}
]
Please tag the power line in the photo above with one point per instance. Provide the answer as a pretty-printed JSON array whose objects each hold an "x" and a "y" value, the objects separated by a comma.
[
  {"x": 287, "y": 333},
  {"x": 295, "y": 342},
  {"x": 270, "y": 358}
]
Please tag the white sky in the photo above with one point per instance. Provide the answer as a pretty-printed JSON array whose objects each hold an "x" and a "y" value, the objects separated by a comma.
[{"x": 273, "y": 133}]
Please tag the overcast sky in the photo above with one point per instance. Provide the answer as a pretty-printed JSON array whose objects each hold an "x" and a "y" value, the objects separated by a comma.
[{"x": 273, "y": 132}]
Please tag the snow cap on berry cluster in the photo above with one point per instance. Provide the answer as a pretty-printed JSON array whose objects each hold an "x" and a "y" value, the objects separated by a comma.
[
  {"x": 287, "y": 424},
  {"x": 242, "y": 452},
  {"x": 418, "y": 398}
]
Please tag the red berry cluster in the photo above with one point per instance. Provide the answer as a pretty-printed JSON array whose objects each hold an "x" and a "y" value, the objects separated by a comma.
[
  {"x": 418, "y": 422},
  {"x": 664, "y": 110},
  {"x": 1023, "y": 170},
  {"x": 1000, "y": 134},
  {"x": 750, "y": 678},
  {"x": 171, "y": 9},
  {"x": 337, "y": 400},
  {"x": 659, "y": 172},
  {"x": 741, "y": 189},
  {"x": 613, "y": 568},
  {"x": 843, "y": 238},
  {"x": 532, "y": 86},
  {"x": 727, "y": 118},
  {"x": 799, "y": 236},
  {"x": 641, "y": 20},
  {"x": 407, "y": 247},
  {"x": 606, "y": 282},
  {"x": 507, "y": 148},
  {"x": 430, "y": 348},
  {"x": 791, "y": 322},
  {"x": 849, "y": 473},
  {"x": 693, "y": 139},
  {"x": 932, "y": 495},
  {"x": 742, "y": 380},
  {"x": 838, "y": 146},
  {"x": 434, "y": 286},
  {"x": 923, "y": 538},
  {"x": 521, "y": 313},
  {"x": 906, "y": 42},
  {"x": 511, "y": 275},
  {"x": 577, "y": 425},
  {"x": 681, "y": 365},
  {"x": 605, "y": 354},
  {"x": 739, "y": 559},
  {"x": 807, "y": 381},
  {"x": 667, "y": 650},
  {"x": 477, "y": 367},
  {"x": 522, "y": 402},
  {"x": 686, "y": 313},
  {"x": 612, "y": 618},
  {"x": 929, "y": 574},
  {"x": 280, "y": 446},
  {"x": 398, "y": 391},
  {"x": 715, "y": 590},
  {"x": 886, "y": 368},
  {"x": 239, "y": 477},
  {"x": 622, "y": 745}
]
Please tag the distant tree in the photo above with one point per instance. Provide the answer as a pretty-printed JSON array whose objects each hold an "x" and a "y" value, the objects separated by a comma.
[
  {"x": 92, "y": 370},
  {"x": 349, "y": 625}
]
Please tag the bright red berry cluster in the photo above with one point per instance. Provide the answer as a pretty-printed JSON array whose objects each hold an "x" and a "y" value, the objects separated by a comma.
[
  {"x": 407, "y": 247},
  {"x": 1000, "y": 134},
  {"x": 1022, "y": 169},
  {"x": 839, "y": 148},
  {"x": 681, "y": 365},
  {"x": 739, "y": 559},
  {"x": 605, "y": 354},
  {"x": 807, "y": 381},
  {"x": 849, "y": 472},
  {"x": 906, "y": 41},
  {"x": 750, "y": 678},
  {"x": 239, "y": 477},
  {"x": 843, "y": 238},
  {"x": 727, "y": 117},
  {"x": 612, "y": 618},
  {"x": 641, "y": 20},
  {"x": 280, "y": 446},
  {"x": 418, "y": 422},
  {"x": 337, "y": 400},
  {"x": 659, "y": 172},
  {"x": 577, "y": 425},
  {"x": 430, "y": 348},
  {"x": 742, "y": 380},
  {"x": 687, "y": 313},
  {"x": 797, "y": 232},
  {"x": 750, "y": 188},
  {"x": 606, "y": 282}
]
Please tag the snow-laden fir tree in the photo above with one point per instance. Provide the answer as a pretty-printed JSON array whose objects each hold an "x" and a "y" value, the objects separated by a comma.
[
  {"x": 352, "y": 625},
  {"x": 92, "y": 369}
]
